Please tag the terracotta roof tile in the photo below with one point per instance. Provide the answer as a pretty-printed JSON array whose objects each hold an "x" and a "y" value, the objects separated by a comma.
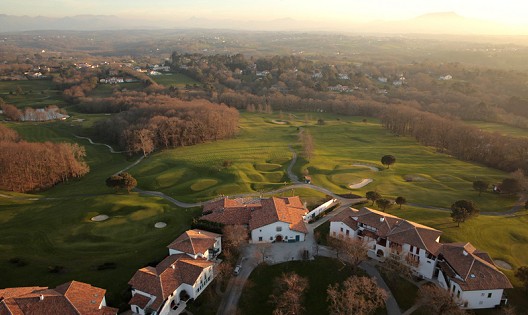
[
  {"x": 257, "y": 214},
  {"x": 194, "y": 241},
  {"x": 167, "y": 276},
  {"x": 139, "y": 300},
  {"x": 70, "y": 298},
  {"x": 475, "y": 268}
]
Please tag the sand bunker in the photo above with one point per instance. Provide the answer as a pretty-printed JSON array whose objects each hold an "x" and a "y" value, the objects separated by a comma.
[
  {"x": 279, "y": 122},
  {"x": 502, "y": 264},
  {"x": 372, "y": 168},
  {"x": 160, "y": 225},
  {"x": 99, "y": 218},
  {"x": 364, "y": 182}
]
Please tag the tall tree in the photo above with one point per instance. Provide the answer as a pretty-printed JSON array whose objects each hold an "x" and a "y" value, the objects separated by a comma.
[
  {"x": 356, "y": 295},
  {"x": 288, "y": 294},
  {"x": 388, "y": 160},
  {"x": 372, "y": 196},
  {"x": 462, "y": 210},
  {"x": 438, "y": 300},
  {"x": 234, "y": 236},
  {"x": 480, "y": 186},
  {"x": 351, "y": 250},
  {"x": 400, "y": 201},
  {"x": 383, "y": 203}
]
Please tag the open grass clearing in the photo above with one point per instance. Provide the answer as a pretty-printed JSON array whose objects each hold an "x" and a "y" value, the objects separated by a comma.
[
  {"x": 174, "y": 79},
  {"x": 34, "y": 93},
  {"x": 499, "y": 128},
  {"x": 255, "y": 297}
]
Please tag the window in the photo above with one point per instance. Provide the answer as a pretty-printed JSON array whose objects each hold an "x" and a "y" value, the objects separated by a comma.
[
  {"x": 411, "y": 250},
  {"x": 279, "y": 228},
  {"x": 286, "y": 237},
  {"x": 347, "y": 232},
  {"x": 482, "y": 294},
  {"x": 417, "y": 251},
  {"x": 458, "y": 293},
  {"x": 260, "y": 238},
  {"x": 271, "y": 238},
  {"x": 341, "y": 229},
  {"x": 489, "y": 295}
]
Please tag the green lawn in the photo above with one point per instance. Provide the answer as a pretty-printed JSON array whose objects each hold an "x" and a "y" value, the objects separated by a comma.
[
  {"x": 259, "y": 156},
  {"x": 500, "y": 128},
  {"x": 403, "y": 290},
  {"x": 254, "y": 299},
  {"x": 174, "y": 79},
  {"x": 59, "y": 232},
  {"x": 35, "y": 93}
]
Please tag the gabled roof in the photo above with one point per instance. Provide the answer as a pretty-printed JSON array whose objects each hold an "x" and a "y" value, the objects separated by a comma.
[
  {"x": 475, "y": 268},
  {"x": 257, "y": 213},
  {"x": 70, "y": 298},
  {"x": 194, "y": 242},
  {"x": 167, "y": 276},
  {"x": 393, "y": 228},
  {"x": 289, "y": 210}
]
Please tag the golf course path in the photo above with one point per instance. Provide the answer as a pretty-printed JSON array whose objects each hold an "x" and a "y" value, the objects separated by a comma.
[
  {"x": 96, "y": 143},
  {"x": 293, "y": 178}
]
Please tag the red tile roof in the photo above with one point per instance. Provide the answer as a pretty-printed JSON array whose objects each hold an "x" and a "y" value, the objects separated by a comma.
[
  {"x": 257, "y": 214},
  {"x": 475, "y": 268},
  {"x": 70, "y": 298},
  {"x": 194, "y": 242},
  {"x": 139, "y": 300},
  {"x": 168, "y": 275},
  {"x": 393, "y": 228}
]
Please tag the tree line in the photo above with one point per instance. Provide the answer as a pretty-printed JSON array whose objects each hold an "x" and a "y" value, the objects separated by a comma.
[
  {"x": 28, "y": 166},
  {"x": 464, "y": 142},
  {"x": 162, "y": 122}
]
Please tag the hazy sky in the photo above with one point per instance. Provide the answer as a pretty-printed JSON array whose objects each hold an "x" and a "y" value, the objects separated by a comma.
[{"x": 505, "y": 11}]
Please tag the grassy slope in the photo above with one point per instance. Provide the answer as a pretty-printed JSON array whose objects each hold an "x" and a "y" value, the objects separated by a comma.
[
  {"x": 174, "y": 79},
  {"x": 59, "y": 232},
  {"x": 500, "y": 128},
  {"x": 37, "y": 93}
]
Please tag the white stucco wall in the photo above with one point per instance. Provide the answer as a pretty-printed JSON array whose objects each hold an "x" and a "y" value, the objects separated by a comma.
[
  {"x": 269, "y": 233},
  {"x": 339, "y": 230}
]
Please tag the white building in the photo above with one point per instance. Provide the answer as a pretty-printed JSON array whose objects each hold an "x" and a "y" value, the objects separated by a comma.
[
  {"x": 197, "y": 244},
  {"x": 181, "y": 276},
  {"x": 471, "y": 276},
  {"x": 268, "y": 220},
  {"x": 386, "y": 234}
]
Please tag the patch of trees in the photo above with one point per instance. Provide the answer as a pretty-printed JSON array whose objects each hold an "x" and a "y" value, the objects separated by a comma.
[
  {"x": 462, "y": 210},
  {"x": 161, "y": 122},
  {"x": 27, "y": 166},
  {"x": 121, "y": 181},
  {"x": 356, "y": 295},
  {"x": 462, "y": 141}
]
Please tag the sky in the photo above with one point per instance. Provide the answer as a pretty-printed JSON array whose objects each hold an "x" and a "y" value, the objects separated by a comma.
[{"x": 513, "y": 12}]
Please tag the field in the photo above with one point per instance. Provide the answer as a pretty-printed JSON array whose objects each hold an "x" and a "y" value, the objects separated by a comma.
[
  {"x": 174, "y": 79},
  {"x": 257, "y": 158},
  {"x": 500, "y": 128},
  {"x": 58, "y": 231},
  {"x": 34, "y": 93},
  {"x": 39, "y": 235}
]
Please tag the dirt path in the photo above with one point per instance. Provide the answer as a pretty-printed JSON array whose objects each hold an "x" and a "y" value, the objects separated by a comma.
[
  {"x": 364, "y": 182},
  {"x": 95, "y": 143}
]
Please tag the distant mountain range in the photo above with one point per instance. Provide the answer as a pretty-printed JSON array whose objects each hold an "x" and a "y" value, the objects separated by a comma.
[{"x": 434, "y": 23}]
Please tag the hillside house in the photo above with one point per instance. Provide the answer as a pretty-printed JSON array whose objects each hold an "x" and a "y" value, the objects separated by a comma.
[
  {"x": 69, "y": 298},
  {"x": 181, "y": 276},
  {"x": 387, "y": 235},
  {"x": 197, "y": 244},
  {"x": 469, "y": 274},
  {"x": 268, "y": 220}
]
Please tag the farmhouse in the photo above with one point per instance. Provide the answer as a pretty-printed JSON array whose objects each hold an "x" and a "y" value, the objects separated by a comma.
[
  {"x": 197, "y": 243},
  {"x": 469, "y": 274},
  {"x": 269, "y": 220},
  {"x": 69, "y": 298},
  {"x": 181, "y": 276},
  {"x": 386, "y": 235}
]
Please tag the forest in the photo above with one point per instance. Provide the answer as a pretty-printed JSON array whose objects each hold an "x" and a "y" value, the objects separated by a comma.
[
  {"x": 162, "y": 122},
  {"x": 28, "y": 167}
]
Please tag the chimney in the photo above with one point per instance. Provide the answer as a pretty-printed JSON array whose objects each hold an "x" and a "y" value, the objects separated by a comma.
[
  {"x": 382, "y": 219},
  {"x": 465, "y": 253},
  {"x": 173, "y": 267},
  {"x": 41, "y": 297}
]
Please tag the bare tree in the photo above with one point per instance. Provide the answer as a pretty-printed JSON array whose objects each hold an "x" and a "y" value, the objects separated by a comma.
[
  {"x": 234, "y": 236},
  {"x": 288, "y": 295},
  {"x": 307, "y": 143},
  {"x": 438, "y": 300},
  {"x": 352, "y": 250},
  {"x": 356, "y": 295}
]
